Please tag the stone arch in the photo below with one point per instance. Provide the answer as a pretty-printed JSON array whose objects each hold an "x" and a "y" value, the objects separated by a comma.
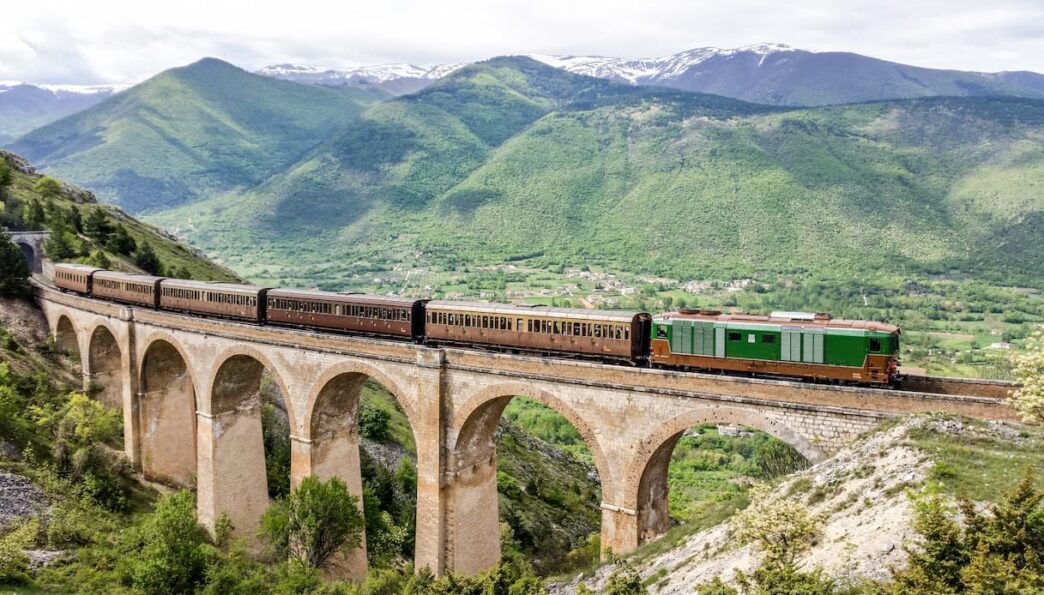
[
  {"x": 646, "y": 482},
  {"x": 230, "y": 446},
  {"x": 167, "y": 413},
  {"x": 345, "y": 379},
  {"x": 66, "y": 338},
  {"x": 474, "y": 514},
  {"x": 105, "y": 365},
  {"x": 330, "y": 445}
]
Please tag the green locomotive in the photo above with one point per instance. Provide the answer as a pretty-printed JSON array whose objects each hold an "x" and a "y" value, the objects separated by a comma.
[{"x": 812, "y": 346}]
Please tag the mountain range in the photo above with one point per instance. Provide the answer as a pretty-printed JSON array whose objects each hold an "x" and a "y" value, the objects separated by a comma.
[
  {"x": 512, "y": 159},
  {"x": 774, "y": 74},
  {"x": 25, "y": 106},
  {"x": 189, "y": 133}
]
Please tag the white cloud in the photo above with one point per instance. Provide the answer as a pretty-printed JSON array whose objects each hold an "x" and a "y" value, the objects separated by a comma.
[{"x": 72, "y": 41}]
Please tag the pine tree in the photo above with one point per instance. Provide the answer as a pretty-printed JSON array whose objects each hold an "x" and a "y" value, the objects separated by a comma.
[
  {"x": 147, "y": 260},
  {"x": 97, "y": 226},
  {"x": 120, "y": 241}
]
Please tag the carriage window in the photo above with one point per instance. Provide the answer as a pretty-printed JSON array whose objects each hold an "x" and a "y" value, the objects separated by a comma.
[
  {"x": 627, "y": 333},
  {"x": 598, "y": 331},
  {"x": 576, "y": 329},
  {"x": 485, "y": 322}
]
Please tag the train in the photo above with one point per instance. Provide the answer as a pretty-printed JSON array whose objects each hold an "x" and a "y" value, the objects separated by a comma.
[{"x": 808, "y": 346}]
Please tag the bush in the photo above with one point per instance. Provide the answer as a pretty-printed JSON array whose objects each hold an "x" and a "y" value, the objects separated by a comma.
[
  {"x": 319, "y": 519},
  {"x": 781, "y": 528},
  {"x": 14, "y": 564},
  {"x": 996, "y": 551},
  {"x": 374, "y": 423},
  {"x": 170, "y": 551},
  {"x": 625, "y": 581}
]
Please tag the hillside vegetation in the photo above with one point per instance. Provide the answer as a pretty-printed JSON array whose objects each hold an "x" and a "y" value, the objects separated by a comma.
[
  {"x": 82, "y": 230},
  {"x": 188, "y": 133},
  {"x": 514, "y": 160}
]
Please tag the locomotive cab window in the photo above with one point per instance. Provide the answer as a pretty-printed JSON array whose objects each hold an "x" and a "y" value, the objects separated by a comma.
[
  {"x": 735, "y": 336},
  {"x": 768, "y": 338},
  {"x": 875, "y": 345}
]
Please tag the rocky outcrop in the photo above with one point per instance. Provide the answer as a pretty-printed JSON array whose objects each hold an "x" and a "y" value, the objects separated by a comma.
[{"x": 861, "y": 494}]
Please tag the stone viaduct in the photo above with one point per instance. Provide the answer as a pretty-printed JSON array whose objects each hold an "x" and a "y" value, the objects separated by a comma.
[{"x": 188, "y": 390}]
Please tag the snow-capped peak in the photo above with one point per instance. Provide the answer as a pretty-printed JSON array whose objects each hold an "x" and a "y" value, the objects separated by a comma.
[
  {"x": 6, "y": 86},
  {"x": 378, "y": 73},
  {"x": 632, "y": 70},
  {"x": 652, "y": 70}
]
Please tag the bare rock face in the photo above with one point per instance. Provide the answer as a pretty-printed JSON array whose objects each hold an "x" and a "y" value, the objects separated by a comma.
[{"x": 19, "y": 498}]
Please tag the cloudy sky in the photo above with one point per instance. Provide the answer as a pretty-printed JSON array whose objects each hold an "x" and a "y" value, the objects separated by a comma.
[{"x": 102, "y": 41}]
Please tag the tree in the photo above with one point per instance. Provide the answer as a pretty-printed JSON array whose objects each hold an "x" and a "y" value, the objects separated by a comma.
[
  {"x": 6, "y": 178},
  {"x": 147, "y": 260},
  {"x": 1028, "y": 400},
  {"x": 61, "y": 245},
  {"x": 997, "y": 550},
  {"x": 48, "y": 187},
  {"x": 14, "y": 272},
  {"x": 97, "y": 226},
  {"x": 33, "y": 214},
  {"x": 319, "y": 519},
  {"x": 120, "y": 241}
]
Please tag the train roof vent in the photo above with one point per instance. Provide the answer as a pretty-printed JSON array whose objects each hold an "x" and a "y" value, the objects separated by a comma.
[{"x": 810, "y": 316}]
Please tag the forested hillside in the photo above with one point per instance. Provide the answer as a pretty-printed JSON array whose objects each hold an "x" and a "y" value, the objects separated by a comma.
[
  {"x": 82, "y": 230},
  {"x": 512, "y": 159},
  {"x": 189, "y": 133}
]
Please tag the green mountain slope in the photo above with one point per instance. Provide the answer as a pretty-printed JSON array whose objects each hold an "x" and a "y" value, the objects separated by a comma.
[
  {"x": 509, "y": 159},
  {"x": 189, "y": 132}
]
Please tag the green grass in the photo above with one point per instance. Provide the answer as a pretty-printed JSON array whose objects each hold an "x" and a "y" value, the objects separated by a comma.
[{"x": 982, "y": 465}]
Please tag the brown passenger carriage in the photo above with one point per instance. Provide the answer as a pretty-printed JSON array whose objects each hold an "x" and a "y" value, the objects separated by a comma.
[
  {"x": 126, "y": 287},
  {"x": 74, "y": 277},
  {"x": 230, "y": 300},
  {"x": 606, "y": 334},
  {"x": 360, "y": 313}
]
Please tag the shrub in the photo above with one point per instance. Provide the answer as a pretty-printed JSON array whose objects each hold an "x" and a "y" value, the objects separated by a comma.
[
  {"x": 373, "y": 423},
  {"x": 14, "y": 564},
  {"x": 170, "y": 550},
  {"x": 782, "y": 528},
  {"x": 992, "y": 551},
  {"x": 321, "y": 518},
  {"x": 625, "y": 581}
]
